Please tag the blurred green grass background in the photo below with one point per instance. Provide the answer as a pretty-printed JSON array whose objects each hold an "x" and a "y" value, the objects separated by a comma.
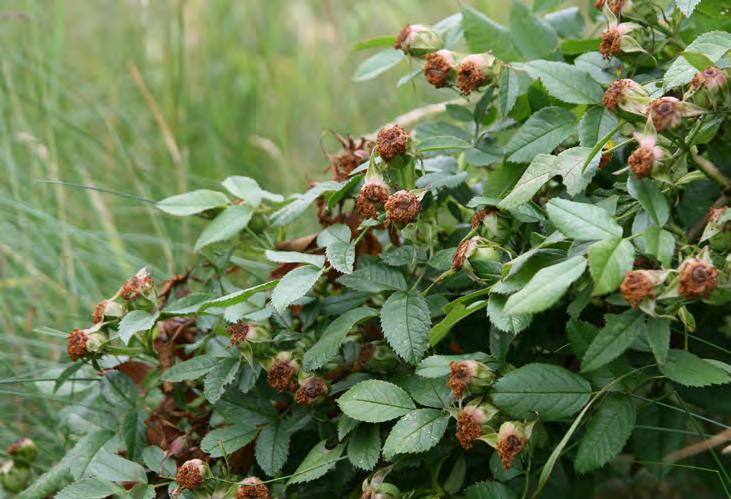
[{"x": 142, "y": 99}]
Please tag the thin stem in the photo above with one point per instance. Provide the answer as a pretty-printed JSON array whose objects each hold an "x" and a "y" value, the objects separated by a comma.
[{"x": 707, "y": 167}]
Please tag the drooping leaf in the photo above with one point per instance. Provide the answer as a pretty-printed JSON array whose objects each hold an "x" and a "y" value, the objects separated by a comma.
[
  {"x": 606, "y": 434},
  {"x": 596, "y": 123},
  {"x": 540, "y": 134},
  {"x": 218, "y": 378},
  {"x": 417, "y": 431},
  {"x": 225, "y": 226},
  {"x": 512, "y": 324},
  {"x": 378, "y": 63},
  {"x": 540, "y": 171},
  {"x": 647, "y": 192},
  {"x": 375, "y": 401},
  {"x": 405, "y": 320},
  {"x": 317, "y": 463},
  {"x": 609, "y": 261},
  {"x": 134, "y": 322},
  {"x": 248, "y": 189},
  {"x": 364, "y": 447},
  {"x": 294, "y": 257},
  {"x": 508, "y": 90},
  {"x": 658, "y": 337},
  {"x": 272, "y": 448},
  {"x": 192, "y": 202},
  {"x": 288, "y": 213},
  {"x": 294, "y": 285},
  {"x": 329, "y": 343},
  {"x": 549, "y": 391},
  {"x": 619, "y": 332},
  {"x": 690, "y": 370}
]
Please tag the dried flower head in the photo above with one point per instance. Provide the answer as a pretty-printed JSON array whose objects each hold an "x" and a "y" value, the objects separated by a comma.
[
  {"x": 438, "y": 68},
  {"x": 697, "y": 278},
  {"x": 252, "y": 487},
  {"x": 711, "y": 78},
  {"x": 464, "y": 250},
  {"x": 511, "y": 441},
  {"x": 372, "y": 195},
  {"x": 644, "y": 158},
  {"x": 636, "y": 286},
  {"x": 666, "y": 113},
  {"x": 611, "y": 44},
  {"x": 282, "y": 375},
  {"x": 403, "y": 207},
  {"x": 461, "y": 373},
  {"x": 470, "y": 423},
  {"x": 391, "y": 142},
  {"x": 312, "y": 391},
  {"x": 628, "y": 95},
  {"x": 76, "y": 344},
  {"x": 191, "y": 474},
  {"x": 106, "y": 308},
  {"x": 472, "y": 72},
  {"x": 242, "y": 331},
  {"x": 138, "y": 285}
]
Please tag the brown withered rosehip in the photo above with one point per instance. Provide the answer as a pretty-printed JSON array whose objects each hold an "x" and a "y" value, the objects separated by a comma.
[
  {"x": 402, "y": 207},
  {"x": 391, "y": 142},
  {"x": 697, "y": 278}
]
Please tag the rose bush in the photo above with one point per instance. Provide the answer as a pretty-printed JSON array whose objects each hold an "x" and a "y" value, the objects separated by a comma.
[{"x": 495, "y": 302}]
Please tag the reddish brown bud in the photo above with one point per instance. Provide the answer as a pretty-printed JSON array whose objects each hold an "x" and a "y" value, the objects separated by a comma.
[
  {"x": 697, "y": 278},
  {"x": 312, "y": 391},
  {"x": 191, "y": 474},
  {"x": 137, "y": 285},
  {"x": 402, "y": 207},
  {"x": 605, "y": 159},
  {"x": 438, "y": 68},
  {"x": 611, "y": 43},
  {"x": 471, "y": 73},
  {"x": 76, "y": 344},
  {"x": 641, "y": 161},
  {"x": 463, "y": 252},
  {"x": 282, "y": 375},
  {"x": 478, "y": 217},
  {"x": 511, "y": 441},
  {"x": 373, "y": 194},
  {"x": 98, "y": 314},
  {"x": 666, "y": 112},
  {"x": 391, "y": 142},
  {"x": 252, "y": 487},
  {"x": 636, "y": 286}
]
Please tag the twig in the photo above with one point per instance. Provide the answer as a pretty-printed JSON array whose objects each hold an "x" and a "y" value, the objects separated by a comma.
[
  {"x": 699, "y": 447},
  {"x": 712, "y": 171}
]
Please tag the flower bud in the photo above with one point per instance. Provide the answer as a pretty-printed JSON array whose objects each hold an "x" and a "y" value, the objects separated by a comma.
[
  {"x": 666, "y": 113},
  {"x": 483, "y": 263},
  {"x": 252, "y": 487},
  {"x": 710, "y": 87},
  {"x": 372, "y": 195},
  {"x": 644, "y": 158},
  {"x": 138, "y": 285},
  {"x": 106, "y": 308},
  {"x": 312, "y": 390},
  {"x": 474, "y": 421},
  {"x": 511, "y": 441},
  {"x": 81, "y": 342},
  {"x": 14, "y": 479},
  {"x": 23, "y": 451},
  {"x": 402, "y": 207},
  {"x": 638, "y": 285},
  {"x": 242, "y": 331},
  {"x": 628, "y": 95},
  {"x": 473, "y": 72},
  {"x": 469, "y": 375},
  {"x": 417, "y": 40},
  {"x": 282, "y": 375},
  {"x": 439, "y": 68},
  {"x": 391, "y": 142},
  {"x": 697, "y": 278},
  {"x": 192, "y": 473}
]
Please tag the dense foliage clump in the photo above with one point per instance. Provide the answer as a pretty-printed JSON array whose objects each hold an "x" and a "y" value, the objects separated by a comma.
[{"x": 528, "y": 295}]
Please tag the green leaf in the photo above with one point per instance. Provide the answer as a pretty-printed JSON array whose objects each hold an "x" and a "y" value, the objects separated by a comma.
[
  {"x": 225, "y": 226},
  {"x": 546, "y": 287},
  {"x": 339, "y": 250},
  {"x": 541, "y": 133},
  {"x": 218, "y": 378},
  {"x": 193, "y": 202},
  {"x": 364, "y": 447},
  {"x": 581, "y": 221},
  {"x": 549, "y": 391},
  {"x": 508, "y": 323},
  {"x": 619, "y": 332},
  {"x": 455, "y": 314},
  {"x": 712, "y": 44},
  {"x": 416, "y": 432},
  {"x": 541, "y": 169},
  {"x": 374, "y": 279},
  {"x": 483, "y": 34},
  {"x": 90, "y": 488},
  {"x": 534, "y": 37},
  {"x": 86, "y": 449},
  {"x": 659, "y": 243},
  {"x": 690, "y": 370},
  {"x": 248, "y": 189},
  {"x": 606, "y": 434},
  {"x": 437, "y": 366},
  {"x": 596, "y": 123},
  {"x": 329, "y": 343},
  {"x": 290, "y": 212},
  {"x": 490, "y": 490},
  {"x": 570, "y": 166},
  {"x": 379, "y": 41},
  {"x": 378, "y": 63},
  {"x": 226, "y": 441},
  {"x": 566, "y": 82},
  {"x": 237, "y": 296},
  {"x": 346, "y": 425},
  {"x": 687, "y": 6},
  {"x": 568, "y": 23},
  {"x": 609, "y": 261},
  {"x": 154, "y": 458},
  {"x": 115, "y": 468},
  {"x": 190, "y": 369},
  {"x": 134, "y": 322},
  {"x": 443, "y": 142},
  {"x": 405, "y": 320},
  {"x": 508, "y": 91},
  {"x": 317, "y": 463},
  {"x": 294, "y": 285},
  {"x": 375, "y": 401},
  {"x": 429, "y": 392},
  {"x": 658, "y": 337},
  {"x": 134, "y": 432},
  {"x": 653, "y": 201},
  {"x": 272, "y": 448},
  {"x": 294, "y": 257}
]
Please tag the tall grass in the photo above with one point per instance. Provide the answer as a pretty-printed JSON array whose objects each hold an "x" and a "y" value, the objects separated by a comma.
[{"x": 108, "y": 105}]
